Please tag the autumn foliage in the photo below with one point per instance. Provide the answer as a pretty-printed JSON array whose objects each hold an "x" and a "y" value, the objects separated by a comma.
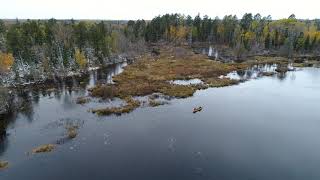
[
  {"x": 6, "y": 61},
  {"x": 80, "y": 59}
]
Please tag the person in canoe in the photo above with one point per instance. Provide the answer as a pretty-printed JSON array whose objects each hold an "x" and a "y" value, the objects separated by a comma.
[{"x": 195, "y": 110}]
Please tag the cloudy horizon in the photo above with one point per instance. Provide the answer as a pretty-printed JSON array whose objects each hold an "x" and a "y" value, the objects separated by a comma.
[{"x": 147, "y": 9}]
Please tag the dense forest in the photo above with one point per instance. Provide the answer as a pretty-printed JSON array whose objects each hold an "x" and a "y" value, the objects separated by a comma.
[
  {"x": 245, "y": 35},
  {"x": 42, "y": 48},
  {"x": 39, "y": 47}
]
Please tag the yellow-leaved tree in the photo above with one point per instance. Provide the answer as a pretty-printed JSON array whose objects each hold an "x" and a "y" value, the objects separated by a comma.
[
  {"x": 178, "y": 34},
  {"x": 6, "y": 61},
  {"x": 181, "y": 33},
  {"x": 80, "y": 59},
  {"x": 172, "y": 33}
]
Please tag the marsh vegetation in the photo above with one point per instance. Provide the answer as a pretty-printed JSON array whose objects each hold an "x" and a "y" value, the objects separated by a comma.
[
  {"x": 155, "y": 73},
  {"x": 4, "y": 164},
  {"x": 43, "y": 148}
]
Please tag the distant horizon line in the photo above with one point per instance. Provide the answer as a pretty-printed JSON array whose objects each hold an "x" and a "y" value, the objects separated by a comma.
[
  {"x": 101, "y": 19},
  {"x": 120, "y": 20}
]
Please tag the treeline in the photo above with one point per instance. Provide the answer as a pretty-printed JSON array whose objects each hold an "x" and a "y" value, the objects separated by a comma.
[
  {"x": 251, "y": 33},
  {"x": 52, "y": 46}
]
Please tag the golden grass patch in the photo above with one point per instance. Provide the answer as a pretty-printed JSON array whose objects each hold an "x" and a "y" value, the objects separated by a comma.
[{"x": 44, "y": 148}]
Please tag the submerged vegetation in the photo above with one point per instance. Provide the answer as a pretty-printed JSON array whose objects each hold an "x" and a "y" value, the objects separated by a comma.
[
  {"x": 44, "y": 148},
  {"x": 155, "y": 103},
  {"x": 131, "y": 104},
  {"x": 72, "y": 132},
  {"x": 82, "y": 100},
  {"x": 4, "y": 164}
]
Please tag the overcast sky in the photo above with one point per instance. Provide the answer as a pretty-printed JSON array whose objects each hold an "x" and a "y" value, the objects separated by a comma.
[{"x": 147, "y": 9}]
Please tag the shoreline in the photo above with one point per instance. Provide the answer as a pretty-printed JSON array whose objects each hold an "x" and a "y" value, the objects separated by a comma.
[{"x": 53, "y": 80}]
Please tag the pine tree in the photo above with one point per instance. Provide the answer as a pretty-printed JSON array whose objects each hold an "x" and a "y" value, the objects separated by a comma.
[
  {"x": 267, "y": 41},
  {"x": 307, "y": 43}
]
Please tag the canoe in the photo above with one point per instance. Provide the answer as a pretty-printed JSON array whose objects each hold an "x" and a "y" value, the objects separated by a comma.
[{"x": 195, "y": 110}]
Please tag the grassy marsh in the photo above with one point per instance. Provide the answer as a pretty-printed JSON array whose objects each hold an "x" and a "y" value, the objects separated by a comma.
[
  {"x": 151, "y": 75},
  {"x": 148, "y": 76}
]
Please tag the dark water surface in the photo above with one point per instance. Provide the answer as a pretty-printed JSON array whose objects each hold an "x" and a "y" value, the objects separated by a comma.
[{"x": 266, "y": 128}]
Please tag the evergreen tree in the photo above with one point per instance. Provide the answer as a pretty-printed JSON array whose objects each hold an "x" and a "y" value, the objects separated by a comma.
[
  {"x": 307, "y": 43},
  {"x": 267, "y": 41}
]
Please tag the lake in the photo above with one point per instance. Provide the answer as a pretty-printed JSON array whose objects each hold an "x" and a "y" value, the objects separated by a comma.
[{"x": 265, "y": 128}]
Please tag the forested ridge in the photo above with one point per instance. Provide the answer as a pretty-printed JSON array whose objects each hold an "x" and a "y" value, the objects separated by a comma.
[{"x": 40, "y": 48}]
